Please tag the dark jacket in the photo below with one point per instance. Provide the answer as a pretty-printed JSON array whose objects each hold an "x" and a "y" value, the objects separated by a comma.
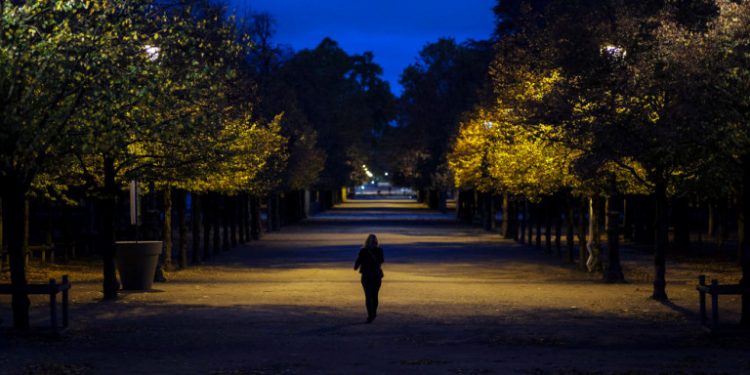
[{"x": 369, "y": 261}]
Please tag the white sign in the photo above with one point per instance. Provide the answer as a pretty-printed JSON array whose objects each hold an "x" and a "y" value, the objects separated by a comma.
[{"x": 134, "y": 202}]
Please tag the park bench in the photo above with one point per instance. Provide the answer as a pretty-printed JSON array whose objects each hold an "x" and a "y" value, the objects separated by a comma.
[
  {"x": 52, "y": 289},
  {"x": 45, "y": 251},
  {"x": 714, "y": 290}
]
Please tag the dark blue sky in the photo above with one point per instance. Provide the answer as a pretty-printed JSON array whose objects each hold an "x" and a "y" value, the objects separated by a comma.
[{"x": 394, "y": 30}]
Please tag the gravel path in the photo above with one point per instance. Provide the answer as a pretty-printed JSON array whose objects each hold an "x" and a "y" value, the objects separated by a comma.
[{"x": 455, "y": 300}]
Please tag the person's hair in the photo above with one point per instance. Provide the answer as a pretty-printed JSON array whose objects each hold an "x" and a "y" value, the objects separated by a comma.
[{"x": 371, "y": 242}]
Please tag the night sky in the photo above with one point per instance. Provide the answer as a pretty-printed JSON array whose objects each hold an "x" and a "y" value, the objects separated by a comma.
[{"x": 394, "y": 30}]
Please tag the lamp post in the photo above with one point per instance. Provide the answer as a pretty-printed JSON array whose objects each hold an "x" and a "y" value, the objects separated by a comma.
[
  {"x": 152, "y": 53},
  {"x": 137, "y": 260},
  {"x": 613, "y": 272}
]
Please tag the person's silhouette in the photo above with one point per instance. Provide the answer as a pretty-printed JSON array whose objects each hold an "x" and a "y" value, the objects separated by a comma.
[{"x": 369, "y": 263}]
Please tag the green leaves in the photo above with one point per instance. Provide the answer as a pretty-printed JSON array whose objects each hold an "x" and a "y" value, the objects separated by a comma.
[{"x": 144, "y": 85}]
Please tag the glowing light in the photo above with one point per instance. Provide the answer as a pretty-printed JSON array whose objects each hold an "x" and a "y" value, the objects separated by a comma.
[
  {"x": 386, "y": 174},
  {"x": 489, "y": 124},
  {"x": 367, "y": 171},
  {"x": 152, "y": 52},
  {"x": 614, "y": 51}
]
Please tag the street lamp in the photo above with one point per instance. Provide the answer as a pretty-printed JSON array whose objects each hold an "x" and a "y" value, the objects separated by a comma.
[
  {"x": 152, "y": 52},
  {"x": 614, "y": 51},
  {"x": 613, "y": 273}
]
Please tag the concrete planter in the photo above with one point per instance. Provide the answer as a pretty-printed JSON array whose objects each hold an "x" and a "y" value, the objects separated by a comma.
[{"x": 136, "y": 262}]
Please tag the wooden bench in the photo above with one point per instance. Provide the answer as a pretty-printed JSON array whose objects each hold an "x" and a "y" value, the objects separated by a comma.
[
  {"x": 45, "y": 251},
  {"x": 715, "y": 290},
  {"x": 52, "y": 289}
]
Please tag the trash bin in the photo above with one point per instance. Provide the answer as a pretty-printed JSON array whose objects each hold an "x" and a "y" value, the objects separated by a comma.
[{"x": 136, "y": 262}]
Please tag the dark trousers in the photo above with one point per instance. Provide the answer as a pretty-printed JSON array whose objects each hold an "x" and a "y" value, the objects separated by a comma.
[{"x": 371, "y": 287}]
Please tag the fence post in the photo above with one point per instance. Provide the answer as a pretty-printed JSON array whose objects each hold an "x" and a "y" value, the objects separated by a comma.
[
  {"x": 66, "y": 283},
  {"x": 53, "y": 305}
]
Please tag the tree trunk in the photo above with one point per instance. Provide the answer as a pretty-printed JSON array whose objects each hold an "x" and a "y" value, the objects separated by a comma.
[
  {"x": 207, "y": 212},
  {"x": 270, "y": 212},
  {"x": 569, "y": 226},
  {"x": 642, "y": 209},
  {"x": 605, "y": 215},
  {"x": 242, "y": 218},
  {"x": 14, "y": 196},
  {"x": 681, "y": 219},
  {"x": 582, "y": 235},
  {"x": 255, "y": 222},
  {"x": 467, "y": 203},
  {"x": 196, "y": 226},
  {"x": 216, "y": 223},
  {"x": 303, "y": 203},
  {"x": 661, "y": 241},
  {"x": 296, "y": 202},
  {"x": 430, "y": 199},
  {"x": 538, "y": 220},
  {"x": 722, "y": 225},
  {"x": 513, "y": 219},
  {"x": 524, "y": 220},
  {"x": 741, "y": 234},
  {"x": 109, "y": 205},
  {"x": 745, "y": 243},
  {"x": 505, "y": 225},
  {"x": 594, "y": 261},
  {"x": 441, "y": 201},
  {"x": 460, "y": 205},
  {"x": 248, "y": 218},
  {"x": 558, "y": 229},
  {"x": 711, "y": 221},
  {"x": 2, "y": 243},
  {"x": 225, "y": 214},
  {"x": 627, "y": 214},
  {"x": 530, "y": 223},
  {"x": 493, "y": 212},
  {"x": 276, "y": 222},
  {"x": 232, "y": 212},
  {"x": 182, "y": 229},
  {"x": 166, "y": 254},
  {"x": 487, "y": 209},
  {"x": 548, "y": 224},
  {"x": 613, "y": 273},
  {"x": 26, "y": 231}
]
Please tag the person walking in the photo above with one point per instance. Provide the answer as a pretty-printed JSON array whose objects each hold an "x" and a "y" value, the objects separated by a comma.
[{"x": 369, "y": 263}]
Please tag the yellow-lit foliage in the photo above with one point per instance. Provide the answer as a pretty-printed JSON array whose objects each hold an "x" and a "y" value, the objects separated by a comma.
[
  {"x": 528, "y": 162},
  {"x": 536, "y": 87},
  {"x": 500, "y": 151},
  {"x": 468, "y": 157},
  {"x": 246, "y": 152},
  {"x": 492, "y": 154}
]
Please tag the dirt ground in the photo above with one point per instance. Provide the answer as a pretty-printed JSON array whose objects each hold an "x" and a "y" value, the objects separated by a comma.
[{"x": 455, "y": 300}]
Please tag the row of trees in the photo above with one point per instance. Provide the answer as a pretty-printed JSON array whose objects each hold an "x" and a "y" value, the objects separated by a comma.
[
  {"x": 180, "y": 97},
  {"x": 97, "y": 94},
  {"x": 598, "y": 99},
  {"x": 447, "y": 80}
]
